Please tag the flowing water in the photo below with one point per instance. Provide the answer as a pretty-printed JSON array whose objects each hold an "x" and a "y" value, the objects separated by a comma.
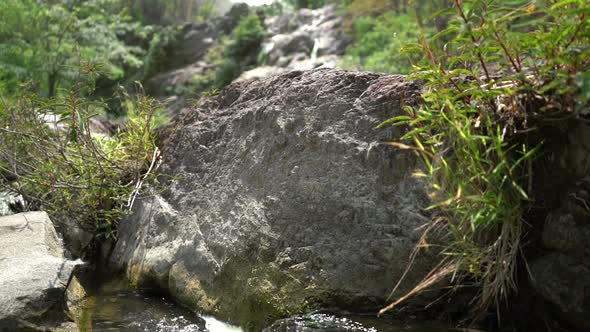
[
  {"x": 115, "y": 307},
  {"x": 7, "y": 199}
]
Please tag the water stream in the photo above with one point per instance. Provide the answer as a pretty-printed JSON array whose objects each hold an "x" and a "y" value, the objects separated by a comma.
[
  {"x": 7, "y": 199},
  {"x": 115, "y": 307}
]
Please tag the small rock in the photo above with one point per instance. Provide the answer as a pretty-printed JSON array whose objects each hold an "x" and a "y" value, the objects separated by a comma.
[{"x": 33, "y": 271}]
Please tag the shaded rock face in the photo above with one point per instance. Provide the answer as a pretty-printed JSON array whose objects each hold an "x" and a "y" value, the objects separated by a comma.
[
  {"x": 281, "y": 197},
  {"x": 560, "y": 272},
  {"x": 560, "y": 275},
  {"x": 183, "y": 57},
  {"x": 33, "y": 272}
]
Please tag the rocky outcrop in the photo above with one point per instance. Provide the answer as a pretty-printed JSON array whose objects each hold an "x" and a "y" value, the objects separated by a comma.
[
  {"x": 178, "y": 57},
  {"x": 560, "y": 268},
  {"x": 560, "y": 276},
  {"x": 302, "y": 40},
  {"x": 33, "y": 273},
  {"x": 281, "y": 196}
]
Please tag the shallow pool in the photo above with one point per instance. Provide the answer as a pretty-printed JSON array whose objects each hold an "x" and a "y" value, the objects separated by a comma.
[{"x": 115, "y": 307}]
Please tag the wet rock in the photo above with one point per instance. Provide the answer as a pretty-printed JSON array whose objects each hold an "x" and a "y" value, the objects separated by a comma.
[
  {"x": 289, "y": 22},
  {"x": 561, "y": 280},
  {"x": 286, "y": 44},
  {"x": 33, "y": 272},
  {"x": 559, "y": 232},
  {"x": 305, "y": 40},
  {"x": 74, "y": 299},
  {"x": 9, "y": 202},
  {"x": 282, "y": 196},
  {"x": 560, "y": 275}
]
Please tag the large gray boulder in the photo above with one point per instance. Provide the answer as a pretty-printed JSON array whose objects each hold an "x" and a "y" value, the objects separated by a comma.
[
  {"x": 282, "y": 196},
  {"x": 33, "y": 272}
]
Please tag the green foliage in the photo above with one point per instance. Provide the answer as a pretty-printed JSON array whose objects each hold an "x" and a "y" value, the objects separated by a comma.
[
  {"x": 528, "y": 67},
  {"x": 49, "y": 154},
  {"x": 312, "y": 4},
  {"x": 379, "y": 40},
  {"x": 156, "y": 59},
  {"x": 230, "y": 57},
  {"x": 42, "y": 41},
  {"x": 381, "y": 28},
  {"x": 168, "y": 12},
  {"x": 273, "y": 9},
  {"x": 225, "y": 73},
  {"x": 246, "y": 37}
]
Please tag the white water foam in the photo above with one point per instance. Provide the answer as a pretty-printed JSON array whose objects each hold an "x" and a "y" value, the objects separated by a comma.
[{"x": 215, "y": 325}]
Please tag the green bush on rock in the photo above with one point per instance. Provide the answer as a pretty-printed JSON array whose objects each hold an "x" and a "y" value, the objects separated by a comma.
[
  {"x": 49, "y": 154},
  {"x": 231, "y": 56},
  {"x": 246, "y": 37},
  {"x": 528, "y": 67}
]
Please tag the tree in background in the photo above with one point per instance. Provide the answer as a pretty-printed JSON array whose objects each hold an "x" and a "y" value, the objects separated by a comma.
[
  {"x": 45, "y": 41},
  {"x": 165, "y": 12}
]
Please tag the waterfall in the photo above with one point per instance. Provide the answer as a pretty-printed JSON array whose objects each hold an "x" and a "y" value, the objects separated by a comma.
[{"x": 314, "y": 51}]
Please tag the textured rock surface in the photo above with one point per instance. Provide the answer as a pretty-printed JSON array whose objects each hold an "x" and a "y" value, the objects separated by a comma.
[
  {"x": 560, "y": 272},
  {"x": 33, "y": 271},
  {"x": 561, "y": 280},
  {"x": 302, "y": 40},
  {"x": 281, "y": 196},
  {"x": 560, "y": 276}
]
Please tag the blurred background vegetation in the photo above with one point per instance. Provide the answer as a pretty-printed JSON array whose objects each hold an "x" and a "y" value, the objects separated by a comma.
[{"x": 42, "y": 41}]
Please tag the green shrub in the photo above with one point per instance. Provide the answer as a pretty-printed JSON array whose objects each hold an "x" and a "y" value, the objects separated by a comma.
[
  {"x": 246, "y": 37},
  {"x": 157, "y": 57},
  {"x": 230, "y": 57},
  {"x": 378, "y": 43},
  {"x": 225, "y": 73},
  {"x": 505, "y": 71},
  {"x": 49, "y": 155}
]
